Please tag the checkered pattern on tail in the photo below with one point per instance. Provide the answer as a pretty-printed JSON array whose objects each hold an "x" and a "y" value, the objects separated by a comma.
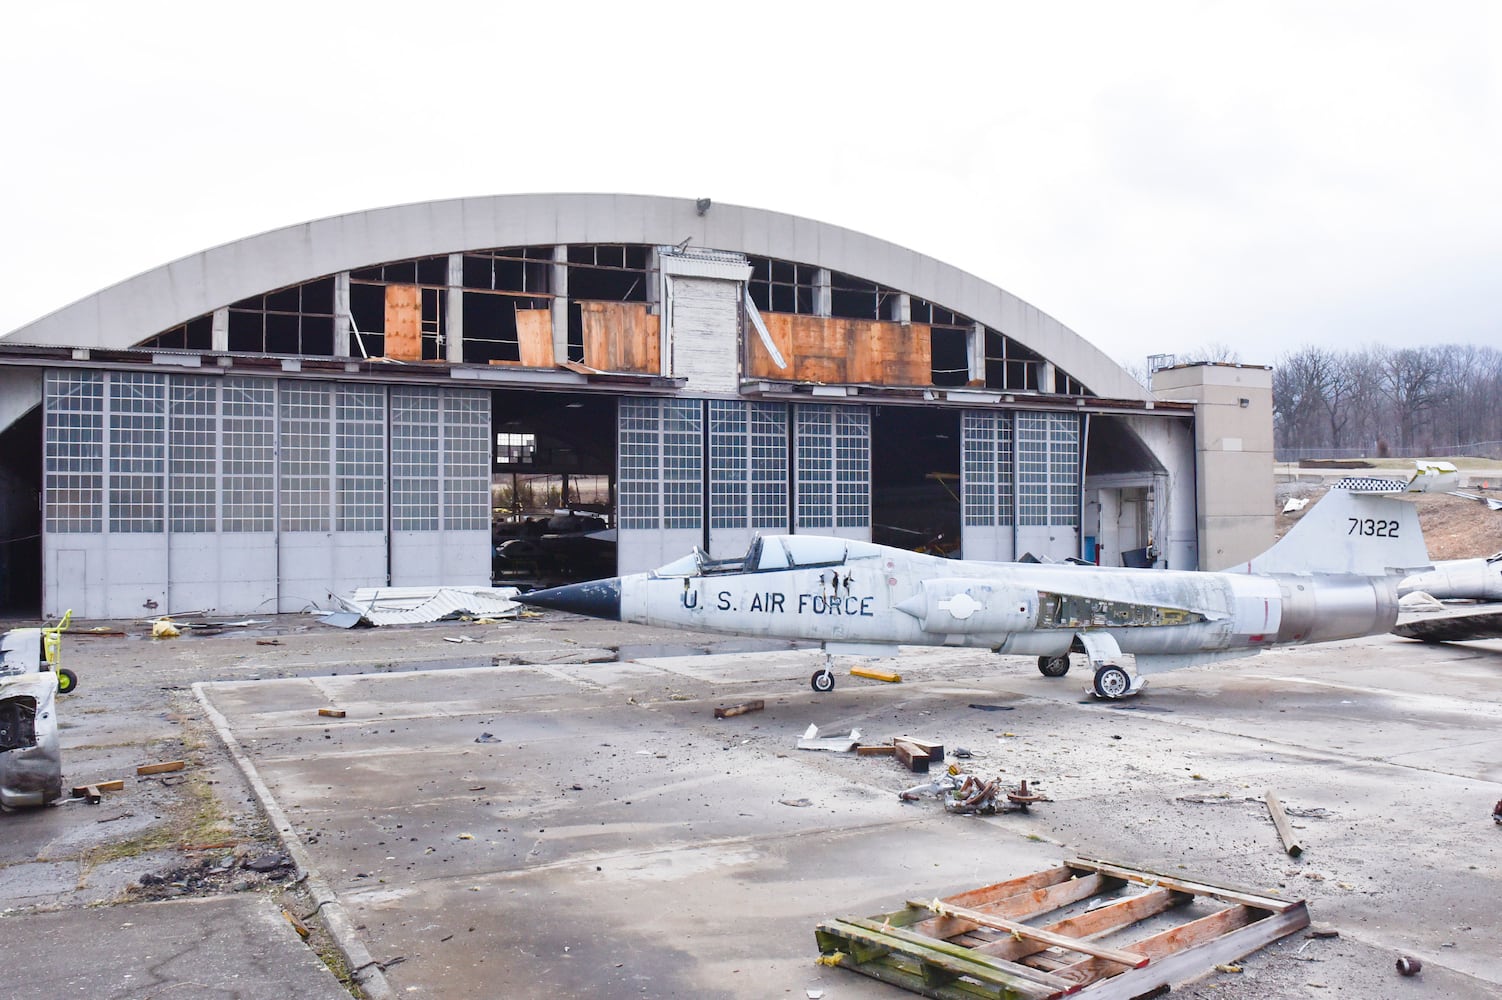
[{"x": 1370, "y": 484}]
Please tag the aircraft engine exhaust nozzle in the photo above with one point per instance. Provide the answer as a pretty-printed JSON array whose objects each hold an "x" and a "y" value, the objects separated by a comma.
[{"x": 596, "y": 599}]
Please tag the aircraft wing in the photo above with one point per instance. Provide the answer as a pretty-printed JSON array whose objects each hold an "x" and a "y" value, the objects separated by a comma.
[{"x": 1482, "y": 623}]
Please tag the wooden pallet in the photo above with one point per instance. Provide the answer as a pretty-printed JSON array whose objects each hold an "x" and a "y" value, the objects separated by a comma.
[{"x": 1100, "y": 930}]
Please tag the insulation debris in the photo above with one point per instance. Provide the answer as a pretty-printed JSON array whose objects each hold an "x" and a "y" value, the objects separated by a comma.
[
  {"x": 418, "y": 605},
  {"x": 811, "y": 740}
]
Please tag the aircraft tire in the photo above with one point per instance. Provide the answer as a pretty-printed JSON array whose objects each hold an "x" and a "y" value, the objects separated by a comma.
[
  {"x": 1053, "y": 666},
  {"x": 822, "y": 681},
  {"x": 1112, "y": 682}
]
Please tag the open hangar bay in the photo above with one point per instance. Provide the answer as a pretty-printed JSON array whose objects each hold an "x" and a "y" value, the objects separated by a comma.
[{"x": 610, "y": 837}]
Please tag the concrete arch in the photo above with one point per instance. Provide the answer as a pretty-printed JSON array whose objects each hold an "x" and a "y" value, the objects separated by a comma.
[{"x": 141, "y": 307}]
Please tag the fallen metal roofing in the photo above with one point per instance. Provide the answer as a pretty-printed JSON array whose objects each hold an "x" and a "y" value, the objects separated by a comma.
[{"x": 415, "y": 605}]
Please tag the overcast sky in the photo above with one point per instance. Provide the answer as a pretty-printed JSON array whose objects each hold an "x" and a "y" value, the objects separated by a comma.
[{"x": 1160, "y": 177}]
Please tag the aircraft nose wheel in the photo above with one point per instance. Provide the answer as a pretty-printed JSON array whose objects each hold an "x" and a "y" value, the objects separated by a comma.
[
  {"x": 1112, "y": 682},
  {"x": 1053, "y": 666},
  {"x": 823, "y": 680}
]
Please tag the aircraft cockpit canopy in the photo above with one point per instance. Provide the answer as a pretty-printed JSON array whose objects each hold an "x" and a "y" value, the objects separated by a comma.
[{"x": 775, "y": 552}]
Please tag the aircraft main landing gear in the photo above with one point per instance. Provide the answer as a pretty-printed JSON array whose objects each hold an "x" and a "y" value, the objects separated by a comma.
[{"x": 1054, "y": 666}]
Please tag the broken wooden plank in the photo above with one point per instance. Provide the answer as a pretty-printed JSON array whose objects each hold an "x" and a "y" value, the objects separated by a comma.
[
  {"x": 879, "y": 750},
  {"x": 1019, "y": 906},
  {"x": 162, "y": 768},
  {"x": 1285, "y": 829},
  {"x": 877, "y": 674},
  {"x": 89, "y": 793},
  {"x": 881, "y": 939},
  {"x": 113, "y": 785},
  {"x": 1236, "y": 939},
  {"x": 1130, "y": 959},
  {"x": 331, "y": 713},
  {"x": 1143, "y": 876},
  {"x": 914, "y": 758},
  {"x": 741, "y": 709},
  {"x": 935, "y": 751}
]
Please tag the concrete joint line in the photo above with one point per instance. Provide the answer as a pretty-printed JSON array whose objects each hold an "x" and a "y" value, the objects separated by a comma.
[{"x": 364, "y": 969}]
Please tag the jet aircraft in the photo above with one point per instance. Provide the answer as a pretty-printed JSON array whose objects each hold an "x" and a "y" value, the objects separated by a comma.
[{"x": 1334, "y": 576}]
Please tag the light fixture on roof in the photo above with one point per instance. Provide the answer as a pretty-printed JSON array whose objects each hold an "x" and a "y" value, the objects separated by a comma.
[{"x": 702, "y": 205}]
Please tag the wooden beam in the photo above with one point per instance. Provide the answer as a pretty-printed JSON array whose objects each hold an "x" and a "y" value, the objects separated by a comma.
[
  {"x": 952, "y": 958},
  {"x": 162, "y": 768},
  {"x": 1019, "y": 906},
  {"x": 1151, "y": 878},
  {"x": 1129, "y": 959},
  {"x": 1285, "y": 829}
]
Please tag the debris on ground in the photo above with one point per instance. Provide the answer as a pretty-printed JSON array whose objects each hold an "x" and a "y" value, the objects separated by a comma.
[
  {"x": 1285, "y": 829},
  {"x": 161, "y": 767},
  {"x": 419, "y": 605},
  {"x": 876, "y": 674},
  {"x": 1028, "y": 936},
  {"x": 811, "y": 740},
  {"x": 1497, "y": 812},
  {"x": 1409, "y": 966},
  {"x": 968, "y": 794},
  {"x": 163, "y": 628},
  {"x": 733, "y": 710},
  {"x": 332, "y": 713}
]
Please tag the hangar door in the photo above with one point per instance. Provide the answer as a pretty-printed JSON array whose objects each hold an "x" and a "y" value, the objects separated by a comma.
[
  {"x": 772, "y": 468},
  {"x": 249, "y": 495},
  {"x": 1020, "y": 482}
]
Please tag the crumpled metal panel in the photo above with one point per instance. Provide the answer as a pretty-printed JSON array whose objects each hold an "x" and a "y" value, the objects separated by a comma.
[
  {"x": 416, "y": 605},
  {"x": 30, "y": 775}
]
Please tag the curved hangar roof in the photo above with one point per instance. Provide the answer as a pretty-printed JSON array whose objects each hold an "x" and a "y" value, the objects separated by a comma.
[{"x": 142, "y": 307}]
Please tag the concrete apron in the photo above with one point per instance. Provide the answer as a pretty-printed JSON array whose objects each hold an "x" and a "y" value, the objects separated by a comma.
[{"x": 591, "y": 829}]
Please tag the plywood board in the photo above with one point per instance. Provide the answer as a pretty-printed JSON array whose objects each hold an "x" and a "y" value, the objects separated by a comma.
[
  {"x": 620, "y": 337},
  {"x": 840, "y": 350},
  {"x": 404, "y": 322},
  {"x": 534, "y": 333}
]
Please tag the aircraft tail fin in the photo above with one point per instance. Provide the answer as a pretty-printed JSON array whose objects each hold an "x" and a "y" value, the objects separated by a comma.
[{"x": 1358, "y": 527}]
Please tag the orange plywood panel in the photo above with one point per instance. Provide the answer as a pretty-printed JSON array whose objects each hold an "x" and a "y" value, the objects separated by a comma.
[
  {"x": 534, "y": 334},
  {"x": 621, "y": 337},
  {"x": 841, "y": 350},
  {"x": 403, "y": 323},
  {"x": 759, "y": 362}
]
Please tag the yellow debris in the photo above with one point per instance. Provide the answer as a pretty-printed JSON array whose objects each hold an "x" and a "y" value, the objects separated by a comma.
[
  {"x": 890, "y": 676},
  {"x": 163, "y": 628}
]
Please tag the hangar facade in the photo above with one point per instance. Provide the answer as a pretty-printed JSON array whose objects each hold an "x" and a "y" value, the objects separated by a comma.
[{"x": 357, "y": 401}]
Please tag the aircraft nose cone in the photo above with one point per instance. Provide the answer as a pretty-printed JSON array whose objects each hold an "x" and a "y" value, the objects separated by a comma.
[{"x": 597, "y": 598}]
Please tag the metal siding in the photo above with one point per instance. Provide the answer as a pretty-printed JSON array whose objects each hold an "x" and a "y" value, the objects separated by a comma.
[{"x": 706, "y": 316}]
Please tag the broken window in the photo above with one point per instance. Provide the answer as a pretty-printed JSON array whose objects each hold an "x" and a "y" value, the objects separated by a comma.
[
  {"x": 950, "y": 353},
  {"x": 499, "y": 284},
  {"x": 515, "y": 449},
  {"x": 295, "y": 320},
  {"x": 1011, "y": 366},
  {"x": 608, "y": 272},
  {"x": 1068, "y": 385},
  {"x": 852, "y": 298},
  {"x": 194, "y": 335},
  {"x": 782, "y": 286}
]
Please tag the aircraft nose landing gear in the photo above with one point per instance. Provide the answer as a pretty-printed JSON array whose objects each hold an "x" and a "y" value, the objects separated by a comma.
[{"x": 823, "y": 679}]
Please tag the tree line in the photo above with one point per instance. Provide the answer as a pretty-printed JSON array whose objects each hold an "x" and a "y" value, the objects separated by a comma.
[{"x": 1408, "y": 402}]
